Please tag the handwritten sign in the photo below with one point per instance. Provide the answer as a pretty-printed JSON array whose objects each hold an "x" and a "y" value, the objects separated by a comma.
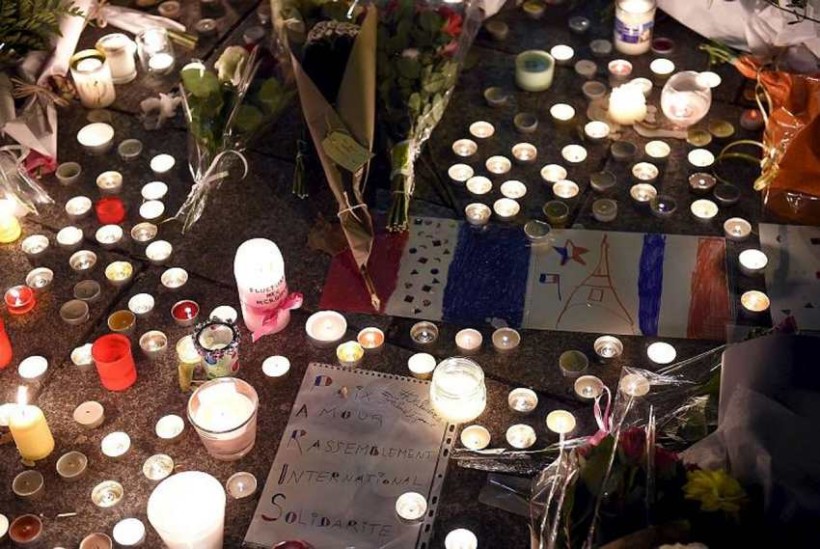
[{"x": 355, "y": 442}]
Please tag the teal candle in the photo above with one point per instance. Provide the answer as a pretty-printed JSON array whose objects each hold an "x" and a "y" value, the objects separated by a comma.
[{"x": 534, "y": 70}]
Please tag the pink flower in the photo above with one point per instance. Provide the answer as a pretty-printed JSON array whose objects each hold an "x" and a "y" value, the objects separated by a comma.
[{"x": 37, "y": 163}]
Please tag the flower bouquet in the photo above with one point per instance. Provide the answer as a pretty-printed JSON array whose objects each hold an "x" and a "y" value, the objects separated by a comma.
[
  {"x": 224, "y": 111},
  {"x": 421, "y": 47}
]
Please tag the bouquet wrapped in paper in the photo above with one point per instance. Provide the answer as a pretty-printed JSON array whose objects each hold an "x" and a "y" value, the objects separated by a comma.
[
  {"x": 333, "y": 52},
  {"x": 421, "y": 48},
  {"x": 224, "y": 110}
]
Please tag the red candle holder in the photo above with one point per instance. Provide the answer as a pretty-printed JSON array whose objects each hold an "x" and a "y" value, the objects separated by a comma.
[
  {"x": 25, "y": 529},
  {"x": 115, "y": 363},
  {"x": 20, "y": 300},
  {"x": 110, "y": 210},
  {"x": 5, "y": 347},
  {"x": 185, "y": 312}
]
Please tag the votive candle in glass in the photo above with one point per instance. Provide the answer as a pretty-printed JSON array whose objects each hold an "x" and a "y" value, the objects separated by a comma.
[
  {"x": 92, "y": 79},
  {"x": 574, "y": 154},
  {"x": 498, "y": 165},
  {"x": 460, "y": 172},
  {"x": 475, "y": 437},
  {"x": 223, "y": 411},
  {"x": 565, "y": 189},
  {"x": 477, "y": 214},
  {"x": 634, "y": 20},
  {"x": 465, "y": 147},
  {"x": 155, "y": 51},
  {"x": 755, "y": 301},
  {"x": 119, "y": 53},
  {"x": 457, "y": 390},
  {"x": 19, "y": 300}
]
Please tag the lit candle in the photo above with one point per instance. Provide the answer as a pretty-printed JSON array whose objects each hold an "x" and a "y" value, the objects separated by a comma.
[
  {"x": 522, "y": 400},
  {"x": 421, "y": 365},
  {"x": 411, "y": 506},
  {"x": 700, "y": 158},
  {"x": 169, "y": 428},
  {"x": 19, "y": 300},
  {"x": 144, "y": 232},
  {"x": 223, "y": 411},
  {"x": 560, "y": 422},
  {"x": 524, "y": 153},
  {"x": 634, "y": 20},
  {"x": 158, "y": 251},
  {"x": 174, "y": 278},
  {"x": 534, "y": 70},
  {"x": 506, "y": 339},
  {"x": 498, "y": 165},
  {"x": 29, "y": 430},
  {"x": 34, "y": 246},
  {"x": 506, "y": 208},
  {"x": 141, "y": 304},
  {"x": 460, "y": 539},
  {"x": 241, "y": 485},
  {"x": 188, "y": 510},
  {"x": 588, "y": 387},
  {"x": 645, "y": 172},
  {"x": 276, "y": 367},
  {"x": 737, "y": 228},
  {"x": 324, "y": 328},
  {"x": 520, "y": 436},
  {"x": 752, "y": 262},
  {"x": 562, "y": 113},
  {"x": 513, "y": 189},
  {"x": 185, "y": 312},
  {"x": 552, "y": 173},
  {"x": 477, "y": 214},
  {"x": 565, "y": 189},
  {"x": 574, "y": 154},
  {"x": 460, "y": 172},
  {"x": 155, "y": 51},
  {"x": 562, "y": 54},
  {"x": 10, "y": 229},
  {"x": 658, "y": 150},
  {"x": 118, "y": 273},
  {"x": 92, "y": 79},
  {"x": 371, "y": 339},
  {"x": 457, "y": 390},
  {"x": 643, "y": 193},
  {"x": 605, "y": 210},
  {"x": 661, "y": 69},
  {"x": 475, "y": 437},
  {"x": 619, "y": 70},
  {"x": 70, "y": 237},
  {"x": 627, "y": 104},
  {"x": 109, "y": 235},
  {"x": 469, "y": 340},
  {"x": 704, "y": 209},
  {"x": 596, "y": 130},
  {"x": 634, "y": 385},
  {"x": 661, "y": 352},
  {"x": 129, "y": 532},
  {"x": 350, "y": 354},
  {"x": 161, "y": 164},
  {"x": 153, "y": 343},
  {"x": 608, "y": 347},
  {"x": 107, "y": 494},
  {"x": 155, "y": 190},
  {"x": 465, "y": 147},
  {"x": 109, "y": 182},
  {"x": 424, "y": 333},
  {"x": 33, "y": 368},
  {"x": 96, "y": 138},
  {"x": 119, "y": 54},
  {"x": 479, "y": 185},
  {"x": 754, "y": 301},
  {"x": 481, "y": 129}
]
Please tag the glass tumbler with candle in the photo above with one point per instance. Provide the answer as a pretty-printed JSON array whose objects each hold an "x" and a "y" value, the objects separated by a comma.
[
  {"x": 155, "y": 51},
  {"x": 457, "y": 390},
  {"x": 634, "y": 21},
  {"x": 223, "y": 411},
  {"x": 685, "y": 100},
  {"x": 92, "y": 79}
]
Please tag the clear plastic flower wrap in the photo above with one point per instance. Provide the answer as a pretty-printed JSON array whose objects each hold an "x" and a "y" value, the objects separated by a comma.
[{"x": 17, "y": 184}]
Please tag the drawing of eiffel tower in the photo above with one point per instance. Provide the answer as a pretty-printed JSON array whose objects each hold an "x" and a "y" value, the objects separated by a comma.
[{"x": 594, "y": 305}]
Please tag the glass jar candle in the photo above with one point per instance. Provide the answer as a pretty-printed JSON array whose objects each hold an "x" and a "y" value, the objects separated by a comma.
[
  {"x": 685, "y": 100},
  {"x": 119, "y": 51},
  {"x": 155, "y": 51},
  {"x": 92, "y": 79},
  {"x": 457, "y": 390},
  {"x": 634, "y": 21},
  {"x": 223, "y": 411}
]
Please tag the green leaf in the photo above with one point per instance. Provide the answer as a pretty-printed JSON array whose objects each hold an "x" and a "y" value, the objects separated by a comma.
[
  {"x": 408, "y": 68},
  {"x": 248, "y": 118},
  {"x": 593, "y": 472},
  {"x": 201, "y": 83},
  {"x": 430, "y": 21},
  {"x": 414, "y": 103}
]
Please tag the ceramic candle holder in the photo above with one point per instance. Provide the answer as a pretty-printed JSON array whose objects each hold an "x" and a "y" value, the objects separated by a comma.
[
  {"x": 144, "y": 232},
  {"x": 596, "y": 131},
  {"x": 475, "y": 437},
  {"x": 513, "y": 189},
  {"x": 421, "y": 365},
  {"x": 72, "y": 466},
  {"x": 39, "y": 279},
  {"x": 482, "y": 130},
  {"x": 424, "y": 333},
  {"x": 574, "y": 154},
  {"x": 109, "y": 182},
  {"x": 522, "y": 400},
  {"x": 506, "y": 208},
  {"x": 477, "y": 214},
  {"x": 737, "y": 229},
  {"x": 565, "y": 189},
  {"x": 69, "y": 238},
  {"x": 605, "y": 210},
  {"x": 479, "y": 185},
  {"x": 524, "y": 153},
  {"x": 465, "y": 147},
  {"x": 498, "y": 165},
  {"x": 704, "y": 210},
  {"x": 460, "y": 173}
]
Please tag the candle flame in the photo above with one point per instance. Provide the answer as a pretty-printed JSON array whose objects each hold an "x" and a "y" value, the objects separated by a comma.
[{"x": 22, "y": 396}]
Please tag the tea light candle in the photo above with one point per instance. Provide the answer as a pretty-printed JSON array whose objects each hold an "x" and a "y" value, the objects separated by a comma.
[
  {"x": 89, "y": 414},
  {"x": 506, "y": 208},
  {"x": 141, "y": 304},
  {"x": 482, "y": 130},
  {"x": 118, "y": 273},
  {"x": 122, "y": 322},
  {"x": 349, "y": 354},
  {"x": 533, "y": 9},
  {"x": 153, "y": 343},
  {"x": 700, "y": 158},
  {"x": 170, "y": 9},
  {"x": 276, "y": 366},
  {"x": 661, "y": 352},
  {"x": 130, "y": 532},
  {"x": 39, "y": 279},
  {"x": 605, "y": 210},
  {"x": 565, "y": 189},
  {"x": 623, "y": 151},
  {"x": 662, "y": 45},
  {"x": 30, "y": 430},
  {"x": 645, "y": 172},
  {"x": 169, "y": 428},
  {"x": 608, "y": 347},
  {"x": 708, "y": 79},
  {"x": 556, "y": 212},
  {"x": 574, "y": 154},
  {"x": 520, "y": 436},
  {"x": 33, "y": 368},
  {"x": 107, "y": 494},
  {"x": 174, "y": 278},
  {"x": 81, "y": 356},
  {"x": 497, "y": 29},
  {"x": 34, "y": 246},
  {"x": 721, "y": 129},
  {"x": 661, "y": 69},
  {"x": 586, "y": 68},
  {"x": 634, "y": 385},
  {"x": 560, "y": 422},
  {"x": 513, "y": 189},
  {"x": 701, "y": 183},
  {"x": 115, "y": 445},
  {"x": 74, "y": 312},
  {"x": 465, "y": 147},
  {"x": 573, "y": 363},
  {"x": 460, "y": 172},
  {"x": 704, "y": 209},
  {"x": 657, "y": 150},
  {"x": 109, "y": 235},
  {"x": 663, "y": 206},
  {"x": 619, "y": 70},
  {"x": 143, "y": 232},
  {"x": 562, "y": 113},
  {"x": 78, "y": 207},
  {"x": 506, "y": 339},
  {"x": 498, "y": 165},
  {"x": 752, "y": 262},
  {"x": 737, "y": 229},
  {"x": 525, "y": 122},
  {"x": 477, "y": 214},
  {"x": 579, "y": 24},
  {"x": 524, "y": 153},
  {"x": 751, "y": 120},
  {"x": 421, "y": 365},
  {"x": 371, "y": 339},
  {"x": 96, "y": 138},
  {"x": 754, "y": 301},
  {"x": 644, "y": 84},
  {"x": 479, "y": 185},
  {"x": 185, "y": 312},
  {"x": 159, "y": 251},
  {"x": 158, "y": 467},
  {"x": 534, "y": 70},
  {"x": 593, "y": 90},
  {"x": 588, "y": 387},
  {"x": 424, "y": 333},
  {"x": 600, "y": 47},
  {"x": 562, "y": 54},
  {"x": 496, "y": 97},
  {"x": 726, "y": 194},
  {"x": 411, "y": 506},
  {"x": 70, "y": 237},
  {"x": 602, "y": 181},
  {"x": 130, "y": 149},
  {"x": 627, "y": 104},
  {"x": 241, "y": 485},
  {"x": 460, "y": 538},
  {"x": 522, "y": 400},
  {"x": 28, "y": 484},
  {"x": 152, "y": 209},
  {"x": 325, "y": 327},
  {"x": 596, "y": 130},
  {"x": 643, "y": 193},
  {"x": 469, "y": 340},
  {"x": 225, "y": 313},
  {"x": 155, "y": 190},
  {"x": 161, "y": 164},
  {"x": 19, "y": 300},
  {"x": 475, "y": 437},
  {"x": 72, "y": 465},
  {"x": 25, "y": 529},
  {"x": 109, "y": 182}
]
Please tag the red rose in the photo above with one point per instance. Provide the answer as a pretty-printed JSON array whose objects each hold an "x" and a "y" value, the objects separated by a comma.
[
  {"x": 452, "y": 21},
  {"x": 633, "y": 444},
  {"x": 665, "y": 460}
]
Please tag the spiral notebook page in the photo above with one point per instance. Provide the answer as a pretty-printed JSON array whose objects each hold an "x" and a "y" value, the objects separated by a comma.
[{"x": 356, "y": 441}]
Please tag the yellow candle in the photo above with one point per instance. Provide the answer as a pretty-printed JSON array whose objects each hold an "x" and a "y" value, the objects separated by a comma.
[
  {"x": 9, "y": 225},
  {"x": 30, "y": 430}
]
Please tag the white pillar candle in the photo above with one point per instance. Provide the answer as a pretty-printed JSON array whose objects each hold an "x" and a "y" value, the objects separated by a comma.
[
  {"x": 754, "y": 301},
  {"x": 481, "y": 129},
  {"x": 188, "y": 510},
  {"x": 155, "y": 51},
  {"x": 259, "y": 269},
  {"x": 475, "y": 437},
  {"x": 560, "y": 422},
  {"x": 661, "y": 352},
  {"x": 534, "y": 70},
  {"x": 634, "y": 20},
  {"x": 627, "y": 104}
]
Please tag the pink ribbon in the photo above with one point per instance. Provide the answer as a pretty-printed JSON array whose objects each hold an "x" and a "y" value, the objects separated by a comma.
[
  {"x": 603, "y": 419},
  {"x": 271, "y": 316}
]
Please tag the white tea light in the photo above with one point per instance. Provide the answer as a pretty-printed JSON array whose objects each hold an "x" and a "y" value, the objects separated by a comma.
[
  {"x": 174, "y": 278},
  {"x": 152, "y": 209},
  {"x": 704, "y": 209},
  {"x": 155, "y": 190},
  {"x": 479, "y": 185},
  {"x": 33, "y": 368},
  {"x": 69, "y": 237},
  {"x": 469, "y": 340},
  {"x": 144, "y": 232},
  {"x": 520, "y": 436},
  {"x": 477, "y": 214},
  {"x": 605, "y": 210},
  {"x": 475, "y": 437},
  {"x": 522, "y": 400},
  {"x": 608, "y": 347},
  {"x": 129, "y": 532},
  {"x": 562, "y": 113},
  {"x": 562, "y": 54},
  {"x": 411, "y": 506},
  {"x": 141, "y": 304},
  {"x": 513, "y": 189},
  {"x": 116, "y": 444},
  {"x": 661, "y": 352},
  {"x": 506, "y": 208},
  {"x": 119, "y": 272},
  {"x": 752, "y": 261},
  {"x": 737, "y": 228},
  {"x": 109, "y": 235},
  {"x": 159, "y": 251},
  {"x": 169, "y": 427},
  {"x": 643, "y": 193},
  {"x": 755, "y": 301},
  {"x": 565, "y": 189},
  {"x": 657, "y": 150},
  {"x": 460, "y": 172},
  {"x": 276, "y": 366},
  {"x": 460, "y": 538},
  {"x": 78, "y": 207},
  {"x": 465, "y": 147},
  {"x": 109, "y": 182},
  {"x": 700, "y": 158},
  {"x": 552, "y": 173},
  {"x": 498, "y": 165},
  {"x": 524, "y": 153},
  {"x": 596, "y": 130},
  {"x": 421, "y": 365},
  {"x": 574, "y": 154},
  {"x": 34, "y": 245},
  {"x": 506, "y": 339},
  {"x": 709, "y": 79},
  {"x": 481, "y": 129},
  {"x": 325, "y": 327},
  {"x": 96, "y": 138},
  {"x": 661, "y": 69},
  {"x": 645, "y": 172},
  {"x": 588, "y": 387},
  {"x": 560, "y": 422},
  {"x": 161, "y": 164}
]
